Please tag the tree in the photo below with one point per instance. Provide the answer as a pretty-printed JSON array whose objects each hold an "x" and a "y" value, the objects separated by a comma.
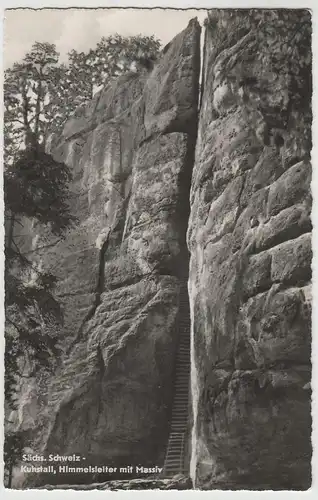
[
  {"x": 35, "y": 186},
  {"x": 116, "y": 55},
  {"x": 76, "y": 83},
  {"x": 40, "y": 94},
  {"x": 14, "y": 443},
  {"x": 26, "y": 98}
]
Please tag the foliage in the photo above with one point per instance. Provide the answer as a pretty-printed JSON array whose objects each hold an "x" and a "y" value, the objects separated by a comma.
[
  {"x": 36, "y": 186},
  {"x": 26, "y": 97},
  {"x": 88, "y": 71},
  {"x": 40, "y": 94},
  {"x": 14, "y": 444}
]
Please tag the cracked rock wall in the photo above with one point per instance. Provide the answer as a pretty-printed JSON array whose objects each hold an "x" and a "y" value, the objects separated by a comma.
[
  {"x": 250, "y": 241},
  {"x": 121, "y": 269}
]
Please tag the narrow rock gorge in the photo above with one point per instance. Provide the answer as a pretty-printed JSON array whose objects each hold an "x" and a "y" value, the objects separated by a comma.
[{"x": 193, "y": 206}]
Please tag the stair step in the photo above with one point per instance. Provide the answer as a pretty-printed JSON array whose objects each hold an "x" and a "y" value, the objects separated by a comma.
[
  {"x": 174, "y": 468},
  {"x": 174, "y": 462},
  {"x": 173, "y": 465}
]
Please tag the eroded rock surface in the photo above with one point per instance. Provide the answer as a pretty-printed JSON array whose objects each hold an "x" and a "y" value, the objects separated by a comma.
[
  {"x": 250, "y": 241},
  {"x": 122, "y": 267}
]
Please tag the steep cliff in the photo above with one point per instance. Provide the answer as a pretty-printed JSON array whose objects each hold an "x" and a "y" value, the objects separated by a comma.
[
  {"x": 250, "y": 242},
  {"x": 122, "y": 268}
]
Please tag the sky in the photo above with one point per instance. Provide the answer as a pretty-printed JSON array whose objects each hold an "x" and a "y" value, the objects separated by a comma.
[{"x": 81, "y": 29}]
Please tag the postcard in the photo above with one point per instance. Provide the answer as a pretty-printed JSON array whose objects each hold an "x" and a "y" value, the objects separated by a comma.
[{"x": 158, "y": 249}]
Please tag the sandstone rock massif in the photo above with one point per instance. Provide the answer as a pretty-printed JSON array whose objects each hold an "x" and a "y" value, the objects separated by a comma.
[
  {"x": 123, "y": 267},
  {"x": 250, "y": 241},
  {"x": 154, "y": 180}
]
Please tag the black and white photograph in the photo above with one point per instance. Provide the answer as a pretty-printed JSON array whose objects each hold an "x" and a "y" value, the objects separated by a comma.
[{"x": 157, "y": 249}]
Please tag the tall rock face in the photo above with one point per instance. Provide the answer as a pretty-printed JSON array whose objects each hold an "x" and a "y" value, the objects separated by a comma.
[
  {"x": 250, "y": 241},
  {"x": 122, "y": 268}
]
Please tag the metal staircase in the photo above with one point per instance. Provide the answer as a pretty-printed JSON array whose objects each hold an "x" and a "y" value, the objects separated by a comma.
[{"x": 174, "y": 460}]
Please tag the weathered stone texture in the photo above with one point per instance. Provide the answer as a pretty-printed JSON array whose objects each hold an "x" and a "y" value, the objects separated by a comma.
[
  {"x": 250, "y": 242},
  {"x": 121, "y": 268}
]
